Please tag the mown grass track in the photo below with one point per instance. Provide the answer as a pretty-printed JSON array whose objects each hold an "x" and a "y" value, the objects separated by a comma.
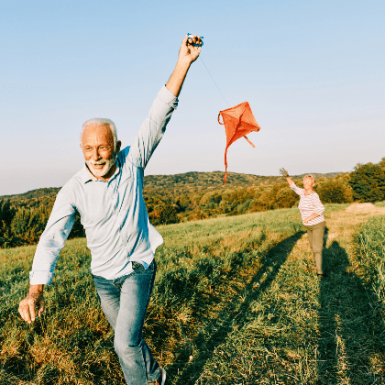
[{"x": 235, "y": 302}]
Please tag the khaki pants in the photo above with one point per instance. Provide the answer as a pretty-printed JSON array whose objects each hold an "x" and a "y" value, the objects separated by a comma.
[{"x": 316, "y": 240}]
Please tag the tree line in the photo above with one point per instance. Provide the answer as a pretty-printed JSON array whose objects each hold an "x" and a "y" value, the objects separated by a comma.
[{"x": 23, "y": 218}]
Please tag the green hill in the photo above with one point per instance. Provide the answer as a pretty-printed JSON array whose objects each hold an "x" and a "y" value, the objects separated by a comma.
[
  {"x": 188, "y": 180},
  {"x": 169, "y": 199},
  {"x": 33, "y": 194}
]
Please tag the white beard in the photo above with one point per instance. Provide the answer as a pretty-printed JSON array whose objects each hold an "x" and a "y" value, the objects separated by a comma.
[{"x": 100, "y": 172}]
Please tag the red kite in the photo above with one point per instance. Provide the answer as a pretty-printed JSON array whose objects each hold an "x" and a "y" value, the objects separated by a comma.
[{"x": 238, "y": 122}]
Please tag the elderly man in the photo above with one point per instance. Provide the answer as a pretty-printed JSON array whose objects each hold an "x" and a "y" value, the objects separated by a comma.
[{"x": 107, "y": 193}]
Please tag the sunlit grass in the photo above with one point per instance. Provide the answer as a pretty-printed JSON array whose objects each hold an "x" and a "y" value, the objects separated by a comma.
[
  {"x": 235, "y": 302},
  {"x": 372, "y": 254}
]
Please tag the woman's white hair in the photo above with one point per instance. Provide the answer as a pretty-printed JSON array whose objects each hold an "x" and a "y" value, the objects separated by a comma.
[
  {"x": 309, "y": 176},
  {"x": 102, "y": 122}
]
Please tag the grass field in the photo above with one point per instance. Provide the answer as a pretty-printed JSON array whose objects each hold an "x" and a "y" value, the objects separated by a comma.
[{"x": 236, "y": 301}]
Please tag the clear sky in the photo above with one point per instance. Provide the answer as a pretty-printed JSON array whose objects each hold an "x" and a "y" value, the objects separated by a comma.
[{"x": 312, "y": 71}]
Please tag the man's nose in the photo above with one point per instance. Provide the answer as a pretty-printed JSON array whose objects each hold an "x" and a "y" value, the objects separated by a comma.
[{"x": 95, "y": 154}]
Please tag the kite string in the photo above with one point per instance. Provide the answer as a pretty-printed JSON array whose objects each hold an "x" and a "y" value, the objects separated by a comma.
[{"x": 213, "y": 80}]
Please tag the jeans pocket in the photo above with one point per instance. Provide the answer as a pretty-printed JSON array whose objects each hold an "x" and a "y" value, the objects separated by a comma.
[{"x": 137, "y": 267}]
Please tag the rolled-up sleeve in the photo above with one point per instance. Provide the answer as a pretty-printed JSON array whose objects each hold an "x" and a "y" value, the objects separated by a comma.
[
  {"x": 52, "y": 241},
  {"x": 153, "y": 128}
]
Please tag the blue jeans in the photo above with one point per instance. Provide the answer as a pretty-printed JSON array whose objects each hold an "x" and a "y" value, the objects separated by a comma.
[{"x": 124, "y": 302}]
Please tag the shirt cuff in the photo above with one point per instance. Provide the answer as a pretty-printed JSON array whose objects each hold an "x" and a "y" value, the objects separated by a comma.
[
  {"x": 40, "y": 277},
  {"x": 168, "y": 97}
]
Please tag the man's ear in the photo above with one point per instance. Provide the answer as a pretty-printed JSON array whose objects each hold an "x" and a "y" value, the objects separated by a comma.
[{"x": 118, "y": 145}]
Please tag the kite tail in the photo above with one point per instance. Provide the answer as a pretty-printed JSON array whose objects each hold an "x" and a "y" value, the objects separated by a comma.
[{"x": 225, "y": 178}]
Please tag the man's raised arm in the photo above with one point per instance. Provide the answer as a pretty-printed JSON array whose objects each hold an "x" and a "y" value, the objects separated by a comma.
[
  {"x": 188, "y": 53},
  {"x": 153, "y": 128}
]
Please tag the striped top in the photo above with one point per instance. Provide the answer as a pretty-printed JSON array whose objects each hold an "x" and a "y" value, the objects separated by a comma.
[{"x": 308, "y": 205}]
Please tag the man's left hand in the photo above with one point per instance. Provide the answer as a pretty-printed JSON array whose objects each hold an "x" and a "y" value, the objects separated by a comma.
[{"x": 188, "y": 52}]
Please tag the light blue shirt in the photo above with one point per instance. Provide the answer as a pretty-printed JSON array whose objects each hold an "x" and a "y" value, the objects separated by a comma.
[{"x": 113, "y": 212}]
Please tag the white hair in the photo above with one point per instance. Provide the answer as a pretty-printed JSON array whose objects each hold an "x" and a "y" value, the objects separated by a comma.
[
  {"x": 102, "y": 122},
  {"x": 309, "y": 176}
]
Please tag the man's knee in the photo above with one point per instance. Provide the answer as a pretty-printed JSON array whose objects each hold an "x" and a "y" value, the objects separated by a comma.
[{"x": 124, "y": 348}]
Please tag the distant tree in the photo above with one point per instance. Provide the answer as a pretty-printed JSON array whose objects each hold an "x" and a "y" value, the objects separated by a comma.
[
  {"x": 335, "y": 190},
  {"x": 276, "y": 197},
  {"x": 262, "y": 203},
  {"x": 6, "y": 216},
  {"x": 27, "y": 225},
  {"x": 21, "y": 222},
  {"x": 6, "y": 213},
  {"x": 368, "y": 182},
  {"x": 164, "y": 214},
  {"x": 283, "y": 196},
  {"x": 182, "y": 203},
  {"x": 381, "y": 163},
  {"x": 211, "y": 197}
]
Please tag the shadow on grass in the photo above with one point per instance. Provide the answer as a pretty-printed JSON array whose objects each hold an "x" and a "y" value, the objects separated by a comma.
[
  {"x": 352, "y": 342},
  {"x": 234, "y": 315}
]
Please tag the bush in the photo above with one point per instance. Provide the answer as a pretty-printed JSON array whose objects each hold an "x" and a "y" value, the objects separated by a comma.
[
  {"x": 164, "y": 215},
  {"x": 368, "y": 183},
  {"x": 335, "y": 191},
  {"x": 283, "y": 196}
]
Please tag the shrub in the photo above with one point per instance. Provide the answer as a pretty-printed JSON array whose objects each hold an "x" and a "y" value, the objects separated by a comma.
[
  {"x": 164, "y": 215},
  {"x": 283, "y": 196},
  {"x": 368, "y": 183},
  {"x": 335, "y": 191}
]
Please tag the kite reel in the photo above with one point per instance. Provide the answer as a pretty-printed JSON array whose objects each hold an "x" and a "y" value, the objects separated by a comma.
[{"x": 189, "y": 40}]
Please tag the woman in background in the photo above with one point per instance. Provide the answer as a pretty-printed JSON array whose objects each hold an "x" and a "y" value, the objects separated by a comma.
[{"x": 311, "y": 210}]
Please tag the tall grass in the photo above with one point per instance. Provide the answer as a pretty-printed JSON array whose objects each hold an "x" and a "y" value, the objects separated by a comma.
[
  {"x": 372, "y": 255},
  {"x": 73, "y": 343},
  {"x": 234, "y": 302}
]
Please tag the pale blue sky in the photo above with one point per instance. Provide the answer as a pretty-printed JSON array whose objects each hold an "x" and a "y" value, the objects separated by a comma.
[{"x": 312, "y": 71}]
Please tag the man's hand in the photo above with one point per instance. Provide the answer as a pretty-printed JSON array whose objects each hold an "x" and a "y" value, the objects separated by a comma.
[
  {"x": 33, "y": 300},
  {"x": 189, "y": 52}
]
